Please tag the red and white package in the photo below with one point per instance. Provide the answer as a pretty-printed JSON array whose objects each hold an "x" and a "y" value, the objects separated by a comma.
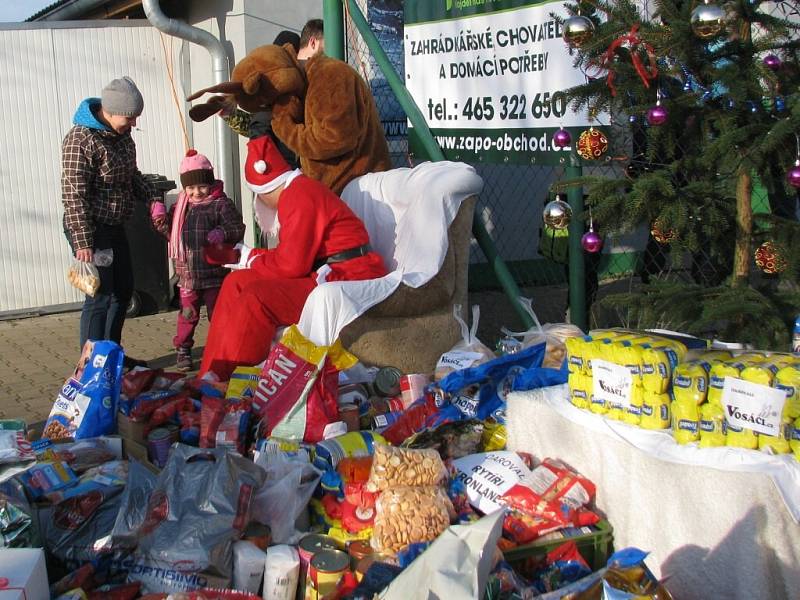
[
  {"x": 14, "y": 446},
  {"x": 138, "y": 380},
  {"x": 554, "y": 482}
]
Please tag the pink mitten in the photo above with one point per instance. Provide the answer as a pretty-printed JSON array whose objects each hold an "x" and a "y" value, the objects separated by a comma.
[
  {"x": 157, "y": 209},
  {"x": 216, "y": 236}
]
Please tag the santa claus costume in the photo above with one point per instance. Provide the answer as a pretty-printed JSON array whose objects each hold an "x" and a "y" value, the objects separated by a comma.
[{"x": 319, "y": 239}]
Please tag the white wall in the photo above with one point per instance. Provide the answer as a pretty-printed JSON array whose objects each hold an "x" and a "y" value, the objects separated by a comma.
[{"x": 46, "y": 71}]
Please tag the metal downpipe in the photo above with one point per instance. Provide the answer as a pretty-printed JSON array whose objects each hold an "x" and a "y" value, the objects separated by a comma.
[{"x": 221, "y": 73}]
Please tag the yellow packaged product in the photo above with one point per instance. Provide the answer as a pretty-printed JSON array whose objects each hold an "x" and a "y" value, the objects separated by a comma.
[
  {"x": 597, "y": 405},
  {"x": 716, "y": 378},
  {"x": 633, "y": 414},
  {"x": 712, "y": 426},
  {"x": 685, "y": 421},
  {"x": 788, "y": 379},
  {"x": 778, "y": 444},
  {"x": 782, "y": 360},
  {"x": 740, "y": 437},
  {"x": 794, "y": 442},
  {"x": 751, "y": 357},
  {"x": 580, "y": 390},
  {"x": 709, "y": 355},
  {"x": 243, "y": 382},
  {"x": 655, "y": 411},
  {"x": 576, "y": 354},
  {"x": 690, "y": 382},
  {"x": 494, "y": 436},
  {"x": 657, "y": 366},
  {"x": 762, "y": 373}
]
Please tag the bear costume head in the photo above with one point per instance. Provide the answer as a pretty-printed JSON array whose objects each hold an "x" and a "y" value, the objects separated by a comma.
[{"x": 258, "y": 80}]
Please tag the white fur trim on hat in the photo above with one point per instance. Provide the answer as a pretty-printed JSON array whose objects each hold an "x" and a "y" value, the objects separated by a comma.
[{"x": 273, "y": 184}]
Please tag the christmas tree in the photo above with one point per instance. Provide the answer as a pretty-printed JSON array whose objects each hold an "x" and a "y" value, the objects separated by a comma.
[{"x": 711, "y": 95}]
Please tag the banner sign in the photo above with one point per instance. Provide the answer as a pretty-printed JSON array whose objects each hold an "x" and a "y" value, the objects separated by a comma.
[{"x": 489, "y": 78}]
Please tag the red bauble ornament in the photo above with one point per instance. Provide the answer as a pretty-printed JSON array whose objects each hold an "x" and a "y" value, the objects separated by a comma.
[
  {"x": 661, "y": 234},
  {"x": 771, "y": 258},
  {"x": 793, "y": 175},
  {"x": 657, "y": 115},
  {"x": 592, "y": 144},
  {"x": 591, "y": 242}
]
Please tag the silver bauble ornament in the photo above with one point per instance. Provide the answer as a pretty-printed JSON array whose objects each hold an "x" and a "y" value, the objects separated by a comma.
[
  {"x": 557, "y": 214},
  {"x": 708, "y": 20},
  {"x": 577, "y": 30}
]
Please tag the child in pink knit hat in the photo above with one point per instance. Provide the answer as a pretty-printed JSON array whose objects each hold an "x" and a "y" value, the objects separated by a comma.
[{"x": 203, "y": 215}]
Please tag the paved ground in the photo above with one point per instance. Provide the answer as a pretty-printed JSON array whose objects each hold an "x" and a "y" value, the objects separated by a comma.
[{"x": 38, "y": 353}]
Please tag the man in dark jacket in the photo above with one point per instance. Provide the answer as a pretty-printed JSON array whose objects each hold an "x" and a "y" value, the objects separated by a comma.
[{"x": 99, "y": 184}]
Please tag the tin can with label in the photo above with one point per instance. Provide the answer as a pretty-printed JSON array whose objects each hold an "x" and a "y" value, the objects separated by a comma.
[
  {"x": 359, "y": 549},
  {"x": 326, "y": 569},
  {"x": 309, "y": 546},
  {"x": 158, "y": 443},
  {"x": 348, "y": 413},
  {"x": 353, "y": 393},
  {"x": 387, "y": 382}
]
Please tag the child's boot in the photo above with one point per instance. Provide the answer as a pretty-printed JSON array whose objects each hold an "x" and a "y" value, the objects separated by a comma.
[{"x": 184, "y": 360}]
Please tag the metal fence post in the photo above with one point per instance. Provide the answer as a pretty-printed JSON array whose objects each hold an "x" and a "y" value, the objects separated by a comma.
[
  {"x": 577, "y": 267},
  {"x": 434, "y": 152},
  {"x": 333, "y": 17}
]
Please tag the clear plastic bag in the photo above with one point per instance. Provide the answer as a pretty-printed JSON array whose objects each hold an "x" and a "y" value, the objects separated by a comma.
[
  {"x": 103, "y": 258},
  {"x": 409, "y": 515},
  {"x": 84, "y": 276},
  {"x": 552, "y": 333},
  {"x": 393, "y": 467},
  {"x": 469, "y": 351}
]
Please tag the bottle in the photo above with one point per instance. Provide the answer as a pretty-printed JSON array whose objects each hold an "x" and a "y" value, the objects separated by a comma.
[{"x": 796, "y": 337}]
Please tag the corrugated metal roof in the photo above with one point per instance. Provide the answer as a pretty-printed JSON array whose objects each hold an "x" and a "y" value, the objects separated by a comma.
[{"x": 47, "y": 9}]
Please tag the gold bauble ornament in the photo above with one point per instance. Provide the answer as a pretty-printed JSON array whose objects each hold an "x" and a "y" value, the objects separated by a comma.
[{"x": 708, "y": 20}]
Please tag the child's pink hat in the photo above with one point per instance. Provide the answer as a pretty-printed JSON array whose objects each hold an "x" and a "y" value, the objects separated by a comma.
[{"x": 196, "y": 169}]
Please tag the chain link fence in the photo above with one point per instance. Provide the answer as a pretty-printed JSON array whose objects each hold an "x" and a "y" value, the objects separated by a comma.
[{"x": 512, "y": 205}]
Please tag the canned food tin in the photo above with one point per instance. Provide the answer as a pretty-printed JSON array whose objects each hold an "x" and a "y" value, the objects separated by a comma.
[
  {"x": 158, "y": 443},
  {"x": 326, "y": 569},
  {"x": 387, "y": 381},
  {"x": 309, "y": 546},
  {"x": 358, "y": 549},
  {"x": 348, "y": 413}
]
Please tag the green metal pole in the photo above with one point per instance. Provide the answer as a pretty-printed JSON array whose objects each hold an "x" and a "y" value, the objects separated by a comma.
[
  {"x": 333, "y": 17},
  {"x": 434, "y": 152},
  {"x": 577, "y": 267}
]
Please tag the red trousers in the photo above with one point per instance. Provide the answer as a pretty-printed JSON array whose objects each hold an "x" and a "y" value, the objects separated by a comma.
[{"x": 248, "y": 311}]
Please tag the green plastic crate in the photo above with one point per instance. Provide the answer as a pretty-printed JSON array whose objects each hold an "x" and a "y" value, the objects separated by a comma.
[{"x": 595, "y": 547}]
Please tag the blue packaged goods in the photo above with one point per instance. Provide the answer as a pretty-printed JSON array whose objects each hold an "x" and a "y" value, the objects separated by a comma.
[{"x": 87, "y": 404}]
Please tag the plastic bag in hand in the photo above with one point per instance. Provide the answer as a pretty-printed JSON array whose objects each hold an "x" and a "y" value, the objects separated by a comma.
[{"x": 84, "y": 276}]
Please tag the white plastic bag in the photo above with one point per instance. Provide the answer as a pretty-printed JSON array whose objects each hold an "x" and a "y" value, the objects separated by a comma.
[
  {"x": 469, "y": 351},
  {"x": 84, "y": 276},
  {"x": 552, "y": 333},
  {"x": 285, "y": 494}
]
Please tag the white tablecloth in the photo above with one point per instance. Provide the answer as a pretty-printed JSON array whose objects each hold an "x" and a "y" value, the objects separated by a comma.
[{"x": 713, "y": 532}]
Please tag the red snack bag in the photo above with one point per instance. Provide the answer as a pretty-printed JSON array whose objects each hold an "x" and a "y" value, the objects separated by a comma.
[
  {"x": 297, "y": 393},
  {"x": 411, "y": 421},
  {"x": 211, "y": 415},
  {"x": 556, "y": 483},
  {"x": 138, "y": 380},
  {"x": 521, "y": 527},
  {"x": 164, "y": 413},
  {"x": 82, "y": 577}
]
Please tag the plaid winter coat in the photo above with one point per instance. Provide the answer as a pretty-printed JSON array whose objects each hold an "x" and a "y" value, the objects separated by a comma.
[
  {"x": 195, "y": 273},
  {"x": 99, "y": 177}
]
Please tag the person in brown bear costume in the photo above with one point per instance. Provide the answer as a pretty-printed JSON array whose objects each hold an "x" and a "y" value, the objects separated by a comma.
[{"x": 322, "y": 110}]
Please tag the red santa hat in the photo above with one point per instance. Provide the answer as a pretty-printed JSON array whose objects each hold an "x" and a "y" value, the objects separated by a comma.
[{"x": 264, "y": 169}]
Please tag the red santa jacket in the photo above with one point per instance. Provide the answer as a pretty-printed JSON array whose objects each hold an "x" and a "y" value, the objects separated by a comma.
[{"x": 315, "y": 224}]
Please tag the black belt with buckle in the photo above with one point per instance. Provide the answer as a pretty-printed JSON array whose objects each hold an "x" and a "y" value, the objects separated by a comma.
[{"x": 342, "y": 256}]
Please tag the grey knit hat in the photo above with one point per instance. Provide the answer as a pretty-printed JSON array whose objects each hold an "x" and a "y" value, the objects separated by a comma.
[{"x": 122, "y": 97}]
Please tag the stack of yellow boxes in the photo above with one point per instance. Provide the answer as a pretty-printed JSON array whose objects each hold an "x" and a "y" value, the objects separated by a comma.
[{"x": 679, "y": 385}]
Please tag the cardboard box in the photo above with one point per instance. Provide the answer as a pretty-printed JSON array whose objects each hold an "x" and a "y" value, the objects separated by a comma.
[
  {"x": 138, "y": 452},
  {"x": 131, "y": 430},
  {"x": 23, "y": 574}
]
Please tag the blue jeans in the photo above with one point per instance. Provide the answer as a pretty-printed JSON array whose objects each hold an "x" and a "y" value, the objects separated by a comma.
[{"x": 102, "y": 317}]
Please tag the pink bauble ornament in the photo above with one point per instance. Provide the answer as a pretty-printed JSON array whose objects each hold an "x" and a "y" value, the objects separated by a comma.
[
  {"x": 562, "y": 138},
  {"x": 657, "y": 115},
  {"x": 772, "y": 62},
  {"x": 793, "y": 176},
  {"x": 591, "y": 242}
]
